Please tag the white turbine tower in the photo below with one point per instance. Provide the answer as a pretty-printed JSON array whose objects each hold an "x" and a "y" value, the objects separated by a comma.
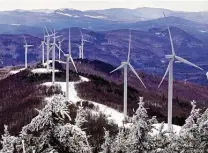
[
  {"x": 43, "y": 43},
  {"x": 125, "y": 65},
  {"x": 169, "y": 69},
  {"x": 48, "y": 36},
  {"x": 80, "y": 51},
  {"x": 82, "y": 44},
  {"x": 54, "y": 54},
  {"x": 60, "y": 42},
  {"x": 68, "y": 58},
  {"x": 26, "y": 46}
]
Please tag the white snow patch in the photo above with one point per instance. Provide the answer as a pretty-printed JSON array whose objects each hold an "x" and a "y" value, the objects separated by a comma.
[
  {"x": 65, "y": 14},
  {"x": 155, "y": 130},
  {"x": 15, "y": 24},
  {"x": 69, "y": 15},
  {"x": 203, "y": 31},
  {"x": 95, "y": 17},
  {"x": 83, "y": 79},
  {"x": 207, "y": 75},
  {"x": 111, "y": 113},
  {"x": 16, "y": 71},
  {"x": 43, "y": 70},
  {"x": 157, "y": 33}
]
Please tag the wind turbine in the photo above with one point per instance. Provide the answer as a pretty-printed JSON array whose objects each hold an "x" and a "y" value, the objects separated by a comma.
[
  {"x": 80, "y": 51},
  {"x": 125, "y": 66},
  {"x": 53, "y": 55},
  {"x": 82, "y": 44},
  {"x": 48, "y": 36},
  {"x": 26, "y": 46},
  {"x": 59, "y": 42},
  {"x": 68, "y": 58},
  {"x": 43, "y": 47},
  {"x": 169, "y": 69}
]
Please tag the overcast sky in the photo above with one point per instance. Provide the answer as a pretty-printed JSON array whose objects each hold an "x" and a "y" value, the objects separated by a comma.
[{"x": 180, "y": 5}]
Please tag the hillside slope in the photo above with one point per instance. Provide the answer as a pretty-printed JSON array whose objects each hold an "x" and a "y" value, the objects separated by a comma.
[{"x": 102, "y": 88}]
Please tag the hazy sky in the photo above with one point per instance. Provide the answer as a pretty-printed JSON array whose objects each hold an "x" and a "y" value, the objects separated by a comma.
[{"x": 181, "y": 5}]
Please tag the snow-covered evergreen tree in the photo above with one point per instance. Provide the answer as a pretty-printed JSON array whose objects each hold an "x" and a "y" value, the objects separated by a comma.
[
  {"x": 50, "y": 131},
  {"x": 203, "y": 130},
  {"x": 189, "y": 136},
  {"x": 81, "y": 117},
  {"x": 139, "y": 139},
  {"x": 162, "y": 140},
  {"x": 119, "y": 144},
  {"x": 106, "y": 146},
  {"x": 8, "y": 141}
]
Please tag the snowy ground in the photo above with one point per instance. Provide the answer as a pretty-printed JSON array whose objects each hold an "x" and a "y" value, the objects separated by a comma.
[
  {"x": 176, "y": 129},
  {"x": 43, "y": 70},
  {"x": 111, "y": 113},
  {"x": 16, "y": 71}
]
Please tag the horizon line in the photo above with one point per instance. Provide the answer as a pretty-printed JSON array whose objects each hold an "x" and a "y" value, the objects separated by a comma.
[{"x": 84, "y": 10}]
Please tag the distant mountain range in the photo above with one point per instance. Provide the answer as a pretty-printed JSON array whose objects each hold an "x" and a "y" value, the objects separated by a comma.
[
  {"x": 32, "y": 22},
  {"x": 148, "y": 49}
]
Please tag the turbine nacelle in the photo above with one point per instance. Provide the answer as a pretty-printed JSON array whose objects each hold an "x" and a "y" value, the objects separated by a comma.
[
  {"x": 28, "y": 46},
  {"x": 125, "y": 63},
  {"x": 170, "y": 56}
]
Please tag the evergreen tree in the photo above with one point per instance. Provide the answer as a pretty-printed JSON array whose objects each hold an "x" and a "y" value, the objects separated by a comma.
[
  {"x": 81, "y": 117},
  {"x": 203, "y": 130},
  {"x": 106, "y": 146},
  {"x": 8, "y": 141},
  {"x": 189, "y": 136},
  {"x": 119, "y": 145},
  {"x": 50, "y": 131},
  {"x": 139, "y": 139}
]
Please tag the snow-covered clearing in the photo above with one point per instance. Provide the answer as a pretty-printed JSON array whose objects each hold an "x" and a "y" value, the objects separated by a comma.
[
  {"x": 16, "y": 71},
  {"x": 65, "y": 14},
  {"x": 43, "y": 70},
  {"x": 155, "y": 130},
  {"x": 111, "y": 113},
  {"x": 95, "y": 17}
]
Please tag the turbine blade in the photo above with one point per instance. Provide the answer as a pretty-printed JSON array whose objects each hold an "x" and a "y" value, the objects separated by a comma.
[
  {"x": 129, "y": 46},
  {"x": 122, "y": 65},
  {"x": 166, "y": 72},
  {"x": 43, "y": 34},
  {"x": 86, "y": 40},
  {"x": 63, "y": 40},
  {"x": 73, "y": 63},
  {"x": 46, "y": 29},
  {"x": 59, "y": 48},
  {"x": 170, "y": 35},
  {"x": 187, "y": 62},
  {"x": 69, "y": 42},
  {"x": 134, "y": 71},
  {"x": 171, "y": 41},
  {"x": 40, "y": 46},
  {"x": 81, "y": 32},
  {"x": 25, "y": 39},
  {"x": 62, "y": 62}
]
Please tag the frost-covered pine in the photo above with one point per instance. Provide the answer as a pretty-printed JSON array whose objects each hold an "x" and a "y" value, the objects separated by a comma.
[
  {"x": 203, "y": 130},
  {"x": 51, "y": 131},
  {"x": 189, "y": 136},
  {"x": 81, "y": 117},
  {"x": 8, "y": 141},
  {"x": 139, "y": 139},
  {"x": 106, "y": 146},
  {"x": 72, "y": 138},
  {"x": 161, "y": 141},
  {"x": 119, "y": 144}
]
